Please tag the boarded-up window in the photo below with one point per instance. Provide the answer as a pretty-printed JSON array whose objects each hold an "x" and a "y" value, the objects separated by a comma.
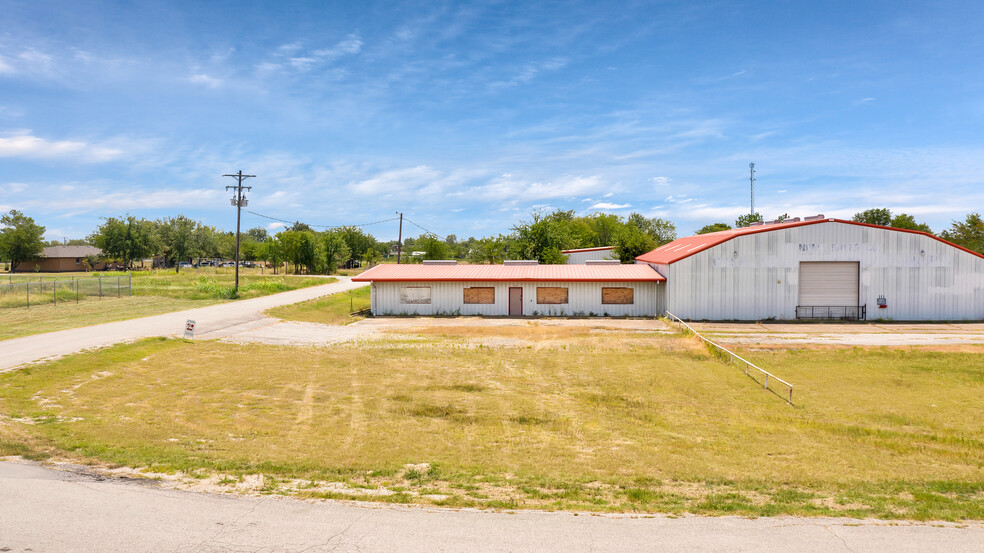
[
  {"x": 549, "y": 295},
  {"x": 415, "y": 294},
  {"x": 479, "y": 295},
  {"x": 616, "y": 295}
]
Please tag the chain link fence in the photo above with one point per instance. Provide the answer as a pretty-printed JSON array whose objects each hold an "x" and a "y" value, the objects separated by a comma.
[{"x": 33, "y": 291}]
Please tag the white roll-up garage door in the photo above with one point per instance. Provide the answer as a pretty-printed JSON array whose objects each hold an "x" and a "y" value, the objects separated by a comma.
[{"x": 833, "y": 283}]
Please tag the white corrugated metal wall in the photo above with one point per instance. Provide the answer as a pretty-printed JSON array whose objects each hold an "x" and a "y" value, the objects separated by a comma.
[
  {"x": 578, "y": 258},
  {"x": 755, "y": 277},
  {"x": 447, "y": 298}
]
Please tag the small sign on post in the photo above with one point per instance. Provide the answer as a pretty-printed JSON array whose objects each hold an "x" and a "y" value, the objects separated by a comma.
[{"x": 190, "y": 329}]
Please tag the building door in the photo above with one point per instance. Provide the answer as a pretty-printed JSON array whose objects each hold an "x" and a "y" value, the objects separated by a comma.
[
  {"x": 828, "y": 289},
  {"x": 516, "y": 302}
]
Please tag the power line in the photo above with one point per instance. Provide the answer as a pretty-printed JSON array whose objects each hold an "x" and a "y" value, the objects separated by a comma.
[
  {"x": 422, "y": 228},
  {"x": 319, "y": 226}
]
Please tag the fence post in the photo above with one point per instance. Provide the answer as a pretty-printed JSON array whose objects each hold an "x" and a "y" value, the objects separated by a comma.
[
  {"x": 54, "y": 292},
  {"x": 100, "y": 286},
  {"x": 117, "y": 287},
  {"x": 76, "y": 291},
  {"x": 129, "y": 282},
  {"x": 766, "y": 381},
  {"x": 28, "y": 288}
]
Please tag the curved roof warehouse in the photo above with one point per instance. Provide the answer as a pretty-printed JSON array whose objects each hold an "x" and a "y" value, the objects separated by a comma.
[{"x": 813, "y": 269}]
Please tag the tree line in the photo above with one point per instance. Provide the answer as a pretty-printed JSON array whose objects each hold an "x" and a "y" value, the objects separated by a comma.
[
  {"x": 541, "y": 237},
  {"x": 968, "y": 233}
]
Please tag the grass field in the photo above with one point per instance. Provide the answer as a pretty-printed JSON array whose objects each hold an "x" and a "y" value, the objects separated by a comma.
[
  {"x": 577, "y": 419},
  {"x": 336, "y": 309},
  {"x": 154, "y": 292},
  {"x": 18, "y": 322}
]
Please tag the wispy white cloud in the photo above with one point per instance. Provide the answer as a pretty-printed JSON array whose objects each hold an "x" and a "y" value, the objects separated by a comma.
[
  {"x": 608, "y": 205},
  {"x": 529, "y": 71},
  {"x": 5, "y": 68},
  {"x": 351, "y": 45},
  {"x": 25, "y": 145},
  {"x": 206, "y": 80}
]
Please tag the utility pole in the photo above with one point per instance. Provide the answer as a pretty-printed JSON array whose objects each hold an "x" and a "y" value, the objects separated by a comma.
[
  {"x": 399, "y": 241},
  {"x": 239, "y": 201},
  {"x": 751, "y": 180}
]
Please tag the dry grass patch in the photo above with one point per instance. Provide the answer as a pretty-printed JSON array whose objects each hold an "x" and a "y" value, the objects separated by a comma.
[{"x": 622, "y": 424}]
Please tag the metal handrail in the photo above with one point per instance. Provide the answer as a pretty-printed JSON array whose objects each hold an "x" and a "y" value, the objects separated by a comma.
[{"x": 733, "y": 356}]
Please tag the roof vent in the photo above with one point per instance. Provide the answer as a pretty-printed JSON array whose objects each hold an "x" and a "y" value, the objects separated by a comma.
[
  {"x": 440, "y": 262},
  {"x": 793, "y": 220},
  {"x": 602, "y": 262},
  {"x": 755, "y": 223},
  {"x": 515, "y": 262},
  {"x": 814, "y": 218}
]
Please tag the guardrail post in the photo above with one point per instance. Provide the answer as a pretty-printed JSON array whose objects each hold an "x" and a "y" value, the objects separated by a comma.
[{"x": 766, "y": 381}]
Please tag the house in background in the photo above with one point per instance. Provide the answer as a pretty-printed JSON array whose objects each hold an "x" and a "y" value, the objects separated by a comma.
[{"x": 62, "y": 259}]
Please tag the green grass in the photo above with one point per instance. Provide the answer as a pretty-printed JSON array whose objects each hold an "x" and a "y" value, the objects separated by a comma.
[
  {"x": 17, "y": 322},
  {"x": 602, "y": 421},
  {"x": 154, "y": 292},
  {"x": 336, "y": 309}
]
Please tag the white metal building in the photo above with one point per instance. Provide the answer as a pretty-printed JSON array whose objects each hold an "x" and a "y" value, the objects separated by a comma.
[
  {"x": 515, "y": 289},
  {"x": 582, "y": 255},
  {"x": 819, "y": 268}
]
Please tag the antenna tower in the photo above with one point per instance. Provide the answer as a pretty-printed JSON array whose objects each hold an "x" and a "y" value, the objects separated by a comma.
[{"x": 751, "y": 180}]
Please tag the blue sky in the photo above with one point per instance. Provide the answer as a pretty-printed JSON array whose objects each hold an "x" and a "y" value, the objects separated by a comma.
[{"x": 467, "y": 116}]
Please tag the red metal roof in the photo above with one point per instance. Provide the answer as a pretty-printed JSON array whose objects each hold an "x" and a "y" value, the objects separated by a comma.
[
  {"x": 683, "y": 248},
  {"x": 589, "y": 249},
  {"x": 520, "y": 273}
]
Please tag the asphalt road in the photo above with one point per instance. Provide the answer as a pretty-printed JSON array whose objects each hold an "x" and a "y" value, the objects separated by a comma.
[
  {"x": 214, "y": 319},
  {"x": 52, "y": 510}
]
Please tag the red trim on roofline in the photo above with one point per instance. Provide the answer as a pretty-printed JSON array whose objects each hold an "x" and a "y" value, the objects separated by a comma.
[
  {"x": 527, "y": 279},
  {"x": 709, "y": 240}
]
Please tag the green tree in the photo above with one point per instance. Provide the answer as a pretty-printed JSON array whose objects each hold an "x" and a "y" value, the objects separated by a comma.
[
  {"x": 433, "y": 247},
  {"x": 906, "y": 221},
  {"x": 273, "y": 253},
  {"x": 175, "y": 237},
  {"x": 290, "y": 248},
  {"x": 662, "y": 231},
  {"x": 875, "y": 216},
  {"x": 632, "y": 243},
  {"x": 714, "y": 227},
  {"x": 746, "y": 220},
  {"x": 489, "y": 250},
  {"x": 20, "y": 239},
  {"x": 125, "y": 239},
  {"x": 372, "y": 256},
  {"x": 336, "y": 250},
  {"x": 258, "y": 234},
  {"x": 968, "y": 233}
]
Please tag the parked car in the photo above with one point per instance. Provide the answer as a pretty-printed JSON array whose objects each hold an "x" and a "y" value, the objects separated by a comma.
[{"x": 184, "y": 265}]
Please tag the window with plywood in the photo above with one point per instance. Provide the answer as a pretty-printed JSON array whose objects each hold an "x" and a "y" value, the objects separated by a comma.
[
  {"x": 617, "y": 296},
  {"x": 479, "y": 295},
  {"x": 551, "y": 295}
]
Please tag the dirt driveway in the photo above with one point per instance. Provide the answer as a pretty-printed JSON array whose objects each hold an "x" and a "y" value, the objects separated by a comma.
[{"x": 275, "y": 331}]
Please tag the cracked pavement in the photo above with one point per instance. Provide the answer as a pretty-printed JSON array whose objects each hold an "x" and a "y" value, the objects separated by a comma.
[{"x": 54, "y": 510}]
